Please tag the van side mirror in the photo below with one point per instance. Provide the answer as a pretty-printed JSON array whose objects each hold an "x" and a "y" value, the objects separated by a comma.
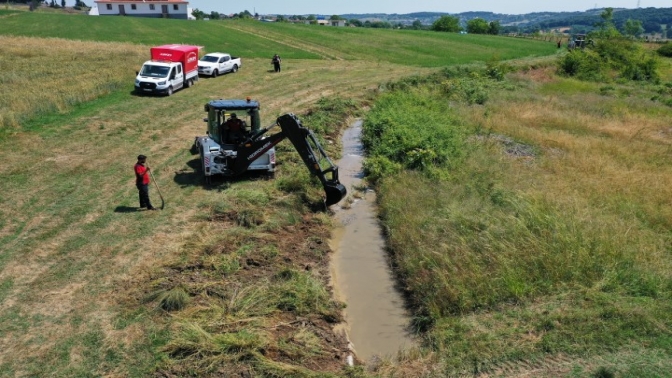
[
  {"x": 136, "y": 73},
  {"x": 205, "y": 120}
]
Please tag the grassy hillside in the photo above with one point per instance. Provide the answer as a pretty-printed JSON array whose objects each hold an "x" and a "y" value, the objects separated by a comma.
[{"x": 252, "y": 39}]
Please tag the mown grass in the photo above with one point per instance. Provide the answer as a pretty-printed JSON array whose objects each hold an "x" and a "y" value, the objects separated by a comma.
[
  {"x": 74, "y": 248},
  {"x": 545, "y": 235},
  {"x": 252, "y": 39},
  {"x": 416, "y": 48}
]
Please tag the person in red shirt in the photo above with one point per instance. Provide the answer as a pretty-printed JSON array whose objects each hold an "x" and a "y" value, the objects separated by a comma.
[{"x": 142, "y": 182}]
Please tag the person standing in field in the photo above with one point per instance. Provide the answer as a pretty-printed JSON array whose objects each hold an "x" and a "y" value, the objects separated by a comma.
[
  {"x": 276, "y": 62},
  {"x": 142, "y": 182}
]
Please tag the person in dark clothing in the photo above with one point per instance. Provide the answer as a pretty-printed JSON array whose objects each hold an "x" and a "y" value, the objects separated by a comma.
[
  {"x": 233, "y": 129},
  {"x": 142, "y": 182},
  {"x": 276, "y": 62}
]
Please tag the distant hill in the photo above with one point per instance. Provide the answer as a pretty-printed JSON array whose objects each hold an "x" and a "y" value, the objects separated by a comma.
[{"x": 653, "y": 19}]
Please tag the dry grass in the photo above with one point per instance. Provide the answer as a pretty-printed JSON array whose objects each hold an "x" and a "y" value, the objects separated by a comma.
[{"x": 43, "y": 76}]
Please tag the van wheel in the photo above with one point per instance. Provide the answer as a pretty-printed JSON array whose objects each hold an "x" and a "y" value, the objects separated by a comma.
[
  {"x": 235, "y": 68},
  {"x": 170, "y": 91},
  {"x": 188, "y": 83},
  {"x": 215, "y": 73}
]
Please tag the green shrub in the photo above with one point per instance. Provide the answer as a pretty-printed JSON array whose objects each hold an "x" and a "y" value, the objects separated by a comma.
[
  {"x": 666, "y": 50},
  {"x": 411, "y": 130},
  {"x": 614, "y": 57},
  {"x": 643, "y": 69},
  {"x": 469, "y": 90},
  {"x": 377, "y": 167},
  {"x": 582, "y": 64}
]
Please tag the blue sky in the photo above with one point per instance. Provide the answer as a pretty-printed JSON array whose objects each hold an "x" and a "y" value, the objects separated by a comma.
[{"x": 305, "y": 7}]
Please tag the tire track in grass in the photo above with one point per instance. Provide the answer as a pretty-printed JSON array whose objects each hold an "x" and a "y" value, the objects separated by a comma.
[{"x": 283, "y": 39}]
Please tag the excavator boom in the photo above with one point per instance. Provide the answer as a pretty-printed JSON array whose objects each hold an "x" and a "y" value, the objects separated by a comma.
[{"x": 305, "y": 143}]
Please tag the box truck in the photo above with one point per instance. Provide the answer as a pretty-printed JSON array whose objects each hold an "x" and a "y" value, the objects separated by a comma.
[{"x": 171, "y": 67}]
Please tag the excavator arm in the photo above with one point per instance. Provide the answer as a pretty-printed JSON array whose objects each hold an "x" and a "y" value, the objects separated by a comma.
[{"x": 306, "y": 145}]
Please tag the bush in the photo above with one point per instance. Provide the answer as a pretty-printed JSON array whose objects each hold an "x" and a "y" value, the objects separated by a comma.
[
  {"x": 666, "y": 50},
  {"x": 582, "y": 64},
  {"x": 615, "y": 57},
  {"x": 407, "y": 130}
]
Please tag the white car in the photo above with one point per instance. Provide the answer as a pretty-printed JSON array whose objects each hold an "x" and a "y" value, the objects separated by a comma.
[{"x": 214, "y": 64}]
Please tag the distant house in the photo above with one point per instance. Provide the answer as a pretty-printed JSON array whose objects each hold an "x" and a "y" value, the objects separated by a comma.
[
  {"x": 323, "y": 22},
  {"x": 178, "y": 9}
]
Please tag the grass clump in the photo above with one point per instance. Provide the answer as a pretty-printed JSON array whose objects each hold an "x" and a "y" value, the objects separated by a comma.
[{"x": 174, "y": 299}]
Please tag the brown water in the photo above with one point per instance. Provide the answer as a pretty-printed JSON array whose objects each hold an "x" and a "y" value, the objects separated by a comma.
[{"x": 375, "y": 320}]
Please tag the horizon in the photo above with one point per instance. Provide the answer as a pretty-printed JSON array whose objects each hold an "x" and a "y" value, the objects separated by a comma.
[{"x": 304, "y": 8}]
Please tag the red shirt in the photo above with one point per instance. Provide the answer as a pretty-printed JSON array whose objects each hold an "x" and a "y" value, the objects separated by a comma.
[{"x": 141, "y": 176}]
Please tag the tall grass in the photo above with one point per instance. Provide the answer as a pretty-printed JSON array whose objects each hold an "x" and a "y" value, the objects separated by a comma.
[
  {"x": 559, "y": 204},
  {"x": 38, "y": 79}
]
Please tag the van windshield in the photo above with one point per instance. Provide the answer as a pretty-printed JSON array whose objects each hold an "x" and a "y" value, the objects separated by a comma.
[{"x": 154, "y": 71}]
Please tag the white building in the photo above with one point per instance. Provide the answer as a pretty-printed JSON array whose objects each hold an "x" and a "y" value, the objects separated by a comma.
[{"x": 178, "y": 9}]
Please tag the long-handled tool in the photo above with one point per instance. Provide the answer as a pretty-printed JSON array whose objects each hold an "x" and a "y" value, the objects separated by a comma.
[{"x": 163, "y": 203}]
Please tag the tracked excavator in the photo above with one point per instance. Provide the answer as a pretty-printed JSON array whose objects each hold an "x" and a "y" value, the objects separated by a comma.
[{"x": 230, "y": 152}]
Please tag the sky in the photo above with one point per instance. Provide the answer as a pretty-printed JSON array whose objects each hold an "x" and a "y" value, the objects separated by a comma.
[{"x": 307, "y": 7}]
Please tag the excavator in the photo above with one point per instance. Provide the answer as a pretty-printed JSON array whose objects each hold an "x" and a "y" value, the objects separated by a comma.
[{"x": 254, "y": 150}]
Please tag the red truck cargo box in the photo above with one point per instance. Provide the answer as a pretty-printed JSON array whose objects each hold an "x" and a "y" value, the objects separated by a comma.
[{"x": 186, "y": 54}]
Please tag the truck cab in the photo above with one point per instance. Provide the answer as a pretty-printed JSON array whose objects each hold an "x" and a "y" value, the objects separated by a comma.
[
  {"x": 171, "y": 68},
  {"x": 214, "y": 64},
  {"x": 159, "y": 77}
]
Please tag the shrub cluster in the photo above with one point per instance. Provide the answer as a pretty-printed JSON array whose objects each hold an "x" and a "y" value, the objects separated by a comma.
[
  {"x": 666, "y": 50},
  {"x": 411, "y": 130},
  {"x": 609, "y": 59}
]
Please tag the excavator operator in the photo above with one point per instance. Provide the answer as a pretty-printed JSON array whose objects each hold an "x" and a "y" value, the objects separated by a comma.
[{"x": 233, "y": 130}]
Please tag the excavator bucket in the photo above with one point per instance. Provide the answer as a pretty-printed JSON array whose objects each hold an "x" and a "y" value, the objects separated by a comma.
[{"x": 335, "y": 193}]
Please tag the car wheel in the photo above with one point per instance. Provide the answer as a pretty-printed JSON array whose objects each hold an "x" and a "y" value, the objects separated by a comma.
[
  {"x": 215, "y": 73},
  {"x": 235, "y": 68}
]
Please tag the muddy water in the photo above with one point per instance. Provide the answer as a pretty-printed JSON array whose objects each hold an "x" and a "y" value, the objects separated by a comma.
[{"x": 376, "y": 322}]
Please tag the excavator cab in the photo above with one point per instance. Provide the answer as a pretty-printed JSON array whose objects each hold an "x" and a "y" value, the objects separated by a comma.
[{"x": 219, "y": 111}]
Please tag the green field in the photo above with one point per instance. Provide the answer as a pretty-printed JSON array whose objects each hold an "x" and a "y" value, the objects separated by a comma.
[
  {"x": 528, "y": 216},
  {"x": 252, "y": 39}
]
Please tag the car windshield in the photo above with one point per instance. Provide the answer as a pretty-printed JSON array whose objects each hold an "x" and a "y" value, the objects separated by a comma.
[
  {"x": 210, "y": 59},
  {"x": 154, "y": 71}
]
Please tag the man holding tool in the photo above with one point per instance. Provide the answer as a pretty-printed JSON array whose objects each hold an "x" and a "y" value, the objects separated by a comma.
[{"x": 142, "y": 182}]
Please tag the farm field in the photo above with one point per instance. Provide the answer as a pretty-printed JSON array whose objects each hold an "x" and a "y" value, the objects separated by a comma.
[{"x": 85, "y": 278}]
